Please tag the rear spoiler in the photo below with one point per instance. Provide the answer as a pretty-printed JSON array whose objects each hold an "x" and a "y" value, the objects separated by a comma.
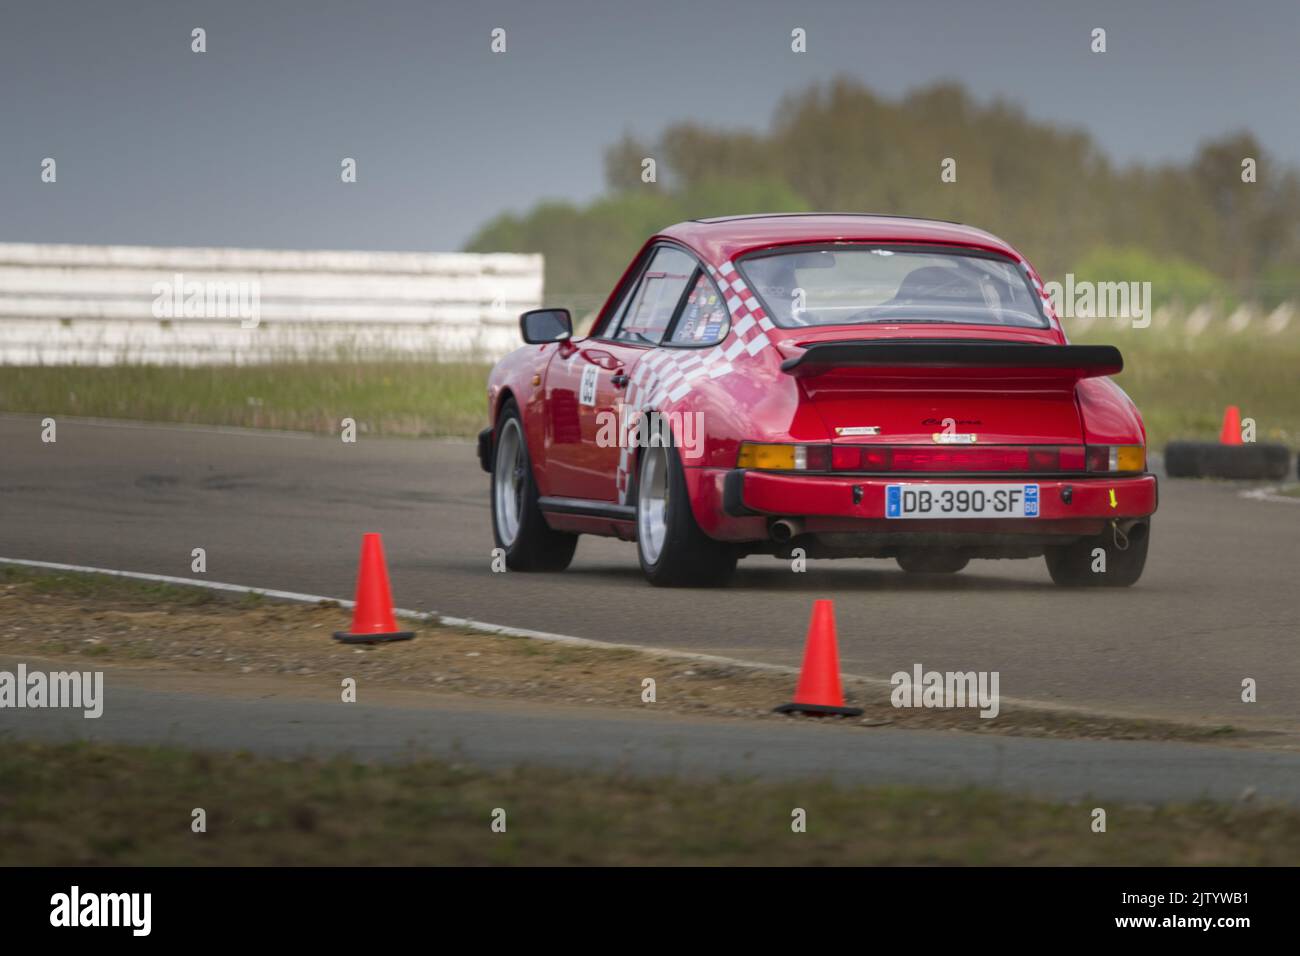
[{"x": 1086, "y": 361}]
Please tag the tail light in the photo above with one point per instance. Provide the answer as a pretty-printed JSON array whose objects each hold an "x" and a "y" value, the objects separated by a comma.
[
  {"x": 1112, "y": 459},
  {"x": 772, "y": 457},
  {"x": 785, "y": 457},
  {"x": 922, "y": 459}
]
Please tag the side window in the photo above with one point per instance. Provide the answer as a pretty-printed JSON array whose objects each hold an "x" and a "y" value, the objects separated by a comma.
[
  {"x": 621, "y": 306},
  {"x": 656, "y": 298},
  {"x": 704, "y": 319}
]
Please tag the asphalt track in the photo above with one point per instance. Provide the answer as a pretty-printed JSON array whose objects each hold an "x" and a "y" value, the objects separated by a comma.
[
  {"x": 1218, "y": 602},
  {"x": 219, "y": 712}
]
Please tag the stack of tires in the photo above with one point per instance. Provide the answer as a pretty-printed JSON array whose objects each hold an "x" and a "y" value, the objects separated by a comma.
[
  {"x": 1198, "y": 459},
  {"x": 1230, "y": 457}
]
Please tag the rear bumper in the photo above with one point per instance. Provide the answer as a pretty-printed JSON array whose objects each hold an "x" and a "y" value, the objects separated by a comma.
[{"x": 1067, "y": 506}]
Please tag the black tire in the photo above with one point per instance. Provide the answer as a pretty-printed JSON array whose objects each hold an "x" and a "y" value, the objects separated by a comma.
[
  {"x": 1071, "y": 565},
  {"x": 1192, "y": 459},
  {"x": 1183, "y": 459},
  {"x": 932, "y": 562},
  {"x": 535, "y": 546},
  {"x": 688, "y": 557}
]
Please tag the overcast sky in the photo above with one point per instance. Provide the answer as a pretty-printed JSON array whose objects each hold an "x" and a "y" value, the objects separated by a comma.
[{"x": 242, "y": 145}]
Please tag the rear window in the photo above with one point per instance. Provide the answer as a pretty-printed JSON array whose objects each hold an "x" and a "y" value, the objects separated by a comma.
[{"x": 859, "y": 285}]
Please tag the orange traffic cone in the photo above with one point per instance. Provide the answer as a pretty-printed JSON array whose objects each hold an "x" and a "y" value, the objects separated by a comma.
[
  {"x": 1230, "y": 434},
  {"x": 818, "y": 691},
  {"x": 372, "y": 617}
]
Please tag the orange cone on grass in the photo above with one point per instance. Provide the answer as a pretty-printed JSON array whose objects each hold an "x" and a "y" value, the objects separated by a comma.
[
  {"x": 372, "y": 617},
  {"x": 1230, "y": 434},
  {"x": 818, "y": 690}
]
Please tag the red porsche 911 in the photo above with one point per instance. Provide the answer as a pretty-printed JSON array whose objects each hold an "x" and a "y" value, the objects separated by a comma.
[{"x": 819, "y": 386}]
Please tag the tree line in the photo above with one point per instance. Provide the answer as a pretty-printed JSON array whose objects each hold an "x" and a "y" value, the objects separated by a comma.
[{"x": 1199, "y": 229}]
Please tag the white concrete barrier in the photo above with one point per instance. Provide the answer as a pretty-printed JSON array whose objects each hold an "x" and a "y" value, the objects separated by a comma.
[{"x": 106, "y": 305}]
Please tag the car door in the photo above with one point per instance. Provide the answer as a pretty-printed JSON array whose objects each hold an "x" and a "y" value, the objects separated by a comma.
[{"x": 587, "y": 382}]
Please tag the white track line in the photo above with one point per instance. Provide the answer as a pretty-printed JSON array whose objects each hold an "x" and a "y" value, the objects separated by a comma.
[
  {"x": 1271, "y": 494},
  {"x": 429, "y": 616}
]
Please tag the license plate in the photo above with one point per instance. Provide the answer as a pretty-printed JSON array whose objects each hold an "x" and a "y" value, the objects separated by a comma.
[{"x": 961, "y": 501}]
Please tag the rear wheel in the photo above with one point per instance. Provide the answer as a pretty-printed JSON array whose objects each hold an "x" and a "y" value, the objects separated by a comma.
[
  {"x": 518, "y": 526},
  {"x": 1108, "y": 560},
  {"x": 674, "y": 552},
  {"x": 932, "y": 562}
]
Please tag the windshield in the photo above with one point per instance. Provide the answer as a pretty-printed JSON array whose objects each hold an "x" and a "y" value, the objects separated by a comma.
[{"x": 854, "y": 285}]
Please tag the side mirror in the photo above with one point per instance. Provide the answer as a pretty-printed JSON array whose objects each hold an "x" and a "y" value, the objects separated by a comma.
[{"x": 546, "y": 325}]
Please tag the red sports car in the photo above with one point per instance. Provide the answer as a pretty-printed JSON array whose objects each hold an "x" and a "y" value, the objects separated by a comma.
[{"x": 819, "y": 386}]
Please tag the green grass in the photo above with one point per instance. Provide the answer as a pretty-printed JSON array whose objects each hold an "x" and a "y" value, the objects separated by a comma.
[
  {"x": 98, "y": 804},
  {"x": 384, "y": 398},
  {"x": 1180, "y": 382}
]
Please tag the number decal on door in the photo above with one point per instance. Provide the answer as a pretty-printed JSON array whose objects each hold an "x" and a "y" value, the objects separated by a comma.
[{"x": 587, "y": 393}]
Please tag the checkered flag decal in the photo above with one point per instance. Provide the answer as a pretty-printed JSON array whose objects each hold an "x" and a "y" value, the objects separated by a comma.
[{"x": 667, "y": 375}]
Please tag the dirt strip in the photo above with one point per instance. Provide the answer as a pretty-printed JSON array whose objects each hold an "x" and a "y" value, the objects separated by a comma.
[{"x": 165, "y": 629}]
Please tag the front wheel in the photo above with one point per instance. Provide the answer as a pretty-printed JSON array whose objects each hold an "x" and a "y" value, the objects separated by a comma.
[
  {"x": 518, "y": 525},
  {"x": 674, "y": 552},
  {"x": 1112, "y": 559}
]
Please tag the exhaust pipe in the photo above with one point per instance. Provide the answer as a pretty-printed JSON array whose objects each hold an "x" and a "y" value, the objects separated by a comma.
[{"x": 785, "y": 529}]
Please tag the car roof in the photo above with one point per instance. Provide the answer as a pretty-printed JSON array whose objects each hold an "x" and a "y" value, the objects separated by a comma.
[{"x": 727, "y": 237}]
